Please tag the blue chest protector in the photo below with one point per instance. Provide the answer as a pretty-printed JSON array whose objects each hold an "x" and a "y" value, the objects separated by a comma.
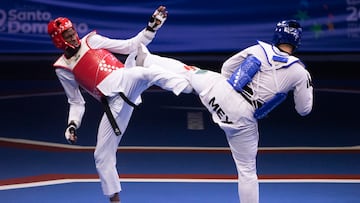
[
  {"x": 269, "y": 105},
  {"x": 250, "y": 66},
  {"x": 244, "y": 73}
]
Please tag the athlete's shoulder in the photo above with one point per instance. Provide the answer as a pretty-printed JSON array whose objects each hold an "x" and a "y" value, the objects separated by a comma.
[
  {"x": 61, "y": 62},
  {"x": 94, "y": 40},
  {"x": 260, "y": 42},
  {"x": 298, "y": 61}
]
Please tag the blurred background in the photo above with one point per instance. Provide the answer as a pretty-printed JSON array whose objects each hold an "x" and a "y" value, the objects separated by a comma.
[{"x": 197, "y": 32}]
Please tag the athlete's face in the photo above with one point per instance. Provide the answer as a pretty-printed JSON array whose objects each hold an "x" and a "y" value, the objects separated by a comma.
[{"x": 70, "y": 36}]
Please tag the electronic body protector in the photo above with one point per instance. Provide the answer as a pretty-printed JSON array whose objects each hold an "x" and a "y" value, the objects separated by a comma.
[
  {"x": 90, "y": 67},
  {"x": 248, "y": 69},
  {"x": 244, "y": 73}
]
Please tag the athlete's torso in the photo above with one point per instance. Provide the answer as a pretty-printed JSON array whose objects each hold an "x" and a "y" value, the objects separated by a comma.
[{"x": 90, "y": 66}]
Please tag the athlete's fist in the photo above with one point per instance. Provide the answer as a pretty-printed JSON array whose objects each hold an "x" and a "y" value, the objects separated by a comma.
[
  {"x": 157, "y": 19},
  {"x": 70, "y": 133}
]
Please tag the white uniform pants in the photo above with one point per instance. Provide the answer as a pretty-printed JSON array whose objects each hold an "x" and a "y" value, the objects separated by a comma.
[
  {"x": 107, "y": 145},
  {"x": 242, "y": 134},
  {"x": 232, "y": 113}
]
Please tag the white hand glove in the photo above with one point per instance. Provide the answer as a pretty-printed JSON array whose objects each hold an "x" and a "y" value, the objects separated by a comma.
[
  {"x": 70, "y": 133},
  {"x": 157, "y": 19}
]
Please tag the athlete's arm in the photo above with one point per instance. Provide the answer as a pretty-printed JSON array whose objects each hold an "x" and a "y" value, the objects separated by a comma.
[
  {"x": 75, "y": 99},
  {"x": 127, "y": 46},
  {"x": 121, "y": 46},
  {"x": 303, "y": 93}
]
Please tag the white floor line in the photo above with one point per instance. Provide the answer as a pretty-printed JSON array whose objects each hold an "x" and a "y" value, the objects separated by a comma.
[{"x": 169, "y": 180}]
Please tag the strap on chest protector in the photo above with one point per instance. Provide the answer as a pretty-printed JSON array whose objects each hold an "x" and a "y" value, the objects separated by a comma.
[
  {"x": 244, "y": 73},
  {"x": 269, "y": 105}
]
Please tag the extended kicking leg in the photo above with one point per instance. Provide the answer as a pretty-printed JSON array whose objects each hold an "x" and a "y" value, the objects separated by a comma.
[{"x": 146, "y": 59}]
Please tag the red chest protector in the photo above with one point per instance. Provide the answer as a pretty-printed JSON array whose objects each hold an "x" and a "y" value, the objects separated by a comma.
[
  {"x": 90, "y": 66},
  {"x": 93, "y": 67}
]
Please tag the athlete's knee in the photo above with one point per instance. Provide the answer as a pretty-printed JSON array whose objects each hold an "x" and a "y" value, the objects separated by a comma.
[
  {"x": 102, "y": 159},
  {"x": 98, "y": 158}
]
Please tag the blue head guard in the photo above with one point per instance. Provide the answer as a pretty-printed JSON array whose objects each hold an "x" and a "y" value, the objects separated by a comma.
[{"x": 287, "y": 32}]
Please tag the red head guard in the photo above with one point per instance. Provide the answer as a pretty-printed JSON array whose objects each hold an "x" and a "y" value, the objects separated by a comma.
[{"x": 56, "y": 28}]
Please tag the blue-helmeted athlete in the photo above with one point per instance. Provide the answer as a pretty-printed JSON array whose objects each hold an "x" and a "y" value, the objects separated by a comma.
[{"x": 251, "y": 84}]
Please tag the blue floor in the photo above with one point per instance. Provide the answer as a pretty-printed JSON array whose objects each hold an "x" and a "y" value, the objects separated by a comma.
[{"x": 175, "y": 192}]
